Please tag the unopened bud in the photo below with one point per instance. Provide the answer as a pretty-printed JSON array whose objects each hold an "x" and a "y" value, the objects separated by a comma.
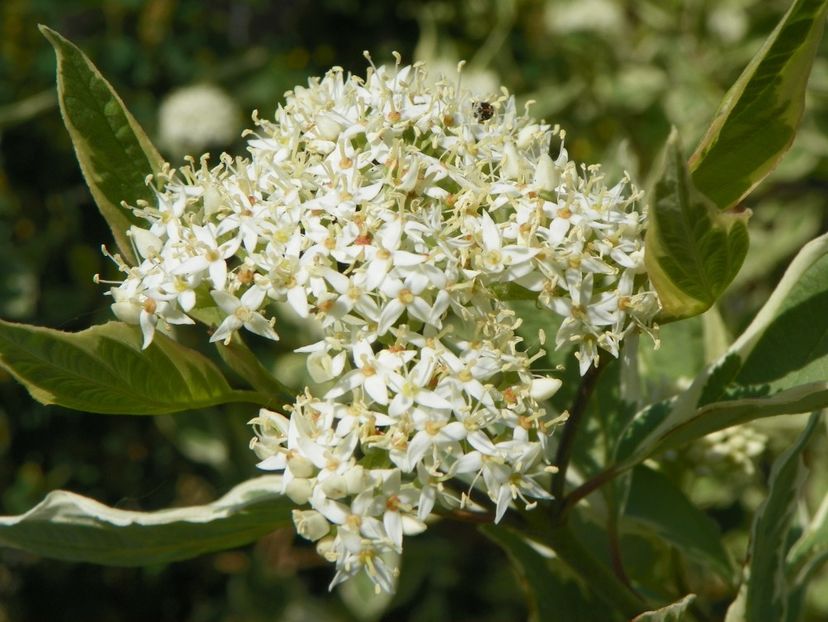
[
  {"x": 547, "y": 176},
  {"x": 542, "y": 389},
  {"x": 310, "y": 524},
  {"x": 299, "y": 490}
]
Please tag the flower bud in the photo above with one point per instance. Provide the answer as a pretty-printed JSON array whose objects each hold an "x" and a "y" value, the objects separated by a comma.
[
  {"x": 127, "y": 311},
  {"x": 510, "y": 166},
  {"x": 147, "y": 244},
  {"x": 328, "y": 127},
  {"x": 299, "y": 490},
  {"x": 321, "y": 367},
  {"x": 547, "y": 176},
  {"x": 335, "y": 487},
  {"x": 326, "y": 549},
  {"x": 355, "y": 480},
  {"x": 212, "y": 201},
  {"x": 542, "y": 389},
  {"x": 300, "y": 466},
  {"x": 310, "y": 524},
  {"x": 527, "y": 135}
]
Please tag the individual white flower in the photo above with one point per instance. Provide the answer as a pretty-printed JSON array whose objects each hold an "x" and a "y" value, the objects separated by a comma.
[{"x": 242, "y": 313}]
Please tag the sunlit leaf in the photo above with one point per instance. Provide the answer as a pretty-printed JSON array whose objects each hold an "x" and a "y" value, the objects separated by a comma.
[
  {"x": 550, "y": 595},
  {"x": 779, "y": 365},
  {"x": 806, "y": 557},
  {"x": 76, "y": 528},
  {"x": 758, "y": 118},
  {"x": 764, "y": 593},
  {"x": 114, "y": 153},
  {"x": 656, "y": 506},
  {"x": 104, "y": 370},
  {"x": 674, "y": 612},
  {"x": 693, "y": 249}
]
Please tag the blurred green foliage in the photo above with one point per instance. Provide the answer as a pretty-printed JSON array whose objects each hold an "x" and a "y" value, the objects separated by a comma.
[{"x": 615, "y": 73}]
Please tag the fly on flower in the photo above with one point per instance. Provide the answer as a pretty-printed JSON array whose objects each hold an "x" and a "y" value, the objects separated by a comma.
[{"x": 483, "y": 111}]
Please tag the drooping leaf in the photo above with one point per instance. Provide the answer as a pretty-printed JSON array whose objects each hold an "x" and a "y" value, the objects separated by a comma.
[
  {"x": 721, "y": 415},
  {"x": 764, "y": 593},
  {"x": 76, "y": 528},
  {"x": 656, "y": 506},
  {"x": 104, "y": 370},
  {"x": 114, "y": 153},
  {"x": 758, "y": 118},
  {"x": 693, "y": 250},
  {"x": 674, "y": 612},
  {"x": 550, "y": 595}
]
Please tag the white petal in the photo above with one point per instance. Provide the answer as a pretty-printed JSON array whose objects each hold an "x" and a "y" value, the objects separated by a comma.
[
  {"x": 393, "y": 526},
  {"x": 454, "y": 431},
  {"x": 427, "y": 498},
  {"x": 253, "y": 298},
  {"x": 218, "y": 273},
  {"x": 375, "y": 387},
  {"x": 230, "y": 324},
  {"x": 504, "y": 497},
  {"x": 490, "y": 232},
  {"x": 390, "y": 314},
  {"x": 226, "y": 302},
  {"x": 298, "y": 299},
  {"x": 147, "y": 322},
  {"x": 468, "y": 463},
  {"x": 257, "y": 324}
]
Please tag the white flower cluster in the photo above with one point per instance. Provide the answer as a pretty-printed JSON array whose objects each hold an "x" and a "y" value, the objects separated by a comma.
[
  {"x": 731, "y": 452},
  {"x": 197, "y": 117},
  {"x": 398, "y": 214}
]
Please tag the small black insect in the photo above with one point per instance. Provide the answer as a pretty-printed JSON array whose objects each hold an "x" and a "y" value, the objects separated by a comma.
[{"x": 483, "y": 111}]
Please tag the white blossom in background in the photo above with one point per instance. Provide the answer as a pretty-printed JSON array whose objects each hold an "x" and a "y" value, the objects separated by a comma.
[
  {"x": 733, "y": 451},
  {"x": 392, "y": 211},
  {"x": 197, "y": 117}
]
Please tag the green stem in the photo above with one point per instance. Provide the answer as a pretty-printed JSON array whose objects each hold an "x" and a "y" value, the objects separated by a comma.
[
  {"x": 571, "y": 427},
  {"x": 597, "y": 576},
  {"x": 585, "y": 489},
  {"x": 614, "y": 539}
]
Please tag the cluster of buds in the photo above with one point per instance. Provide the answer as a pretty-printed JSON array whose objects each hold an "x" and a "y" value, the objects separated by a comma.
[
  {"x": 398, "y": 214},
  {"x": 732, "y": 451}
]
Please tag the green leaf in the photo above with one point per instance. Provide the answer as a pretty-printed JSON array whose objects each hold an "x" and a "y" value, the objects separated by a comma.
[
  {"x": 104, "y": 370},
  {"x": 241, "y": 359},
  {"x": 361, "y": 597},
  {"x": 811, "y": 548},
  {"x": 671, "y": 613},
  {"x": 779, "y": 365},
  {"x": 693, "y": 250},
  {"x": 114, "y": 153},
  {"x": 677, "y": 357},
  {"x": 793, "y": 347},
  {"x": 758, "y": 118},
  {"x": 550, "y": 595},
  {"x": 76, "y": 528},
  {"x": 656, "y": 506},
  {"x": 764, "y": 593}
]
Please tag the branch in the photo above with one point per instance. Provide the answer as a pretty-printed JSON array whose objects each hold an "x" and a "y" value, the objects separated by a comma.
[{"x": 573, "y": 423}]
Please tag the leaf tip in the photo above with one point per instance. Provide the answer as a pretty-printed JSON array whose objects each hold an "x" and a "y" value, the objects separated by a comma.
[{"x": 47, "y": 32}]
